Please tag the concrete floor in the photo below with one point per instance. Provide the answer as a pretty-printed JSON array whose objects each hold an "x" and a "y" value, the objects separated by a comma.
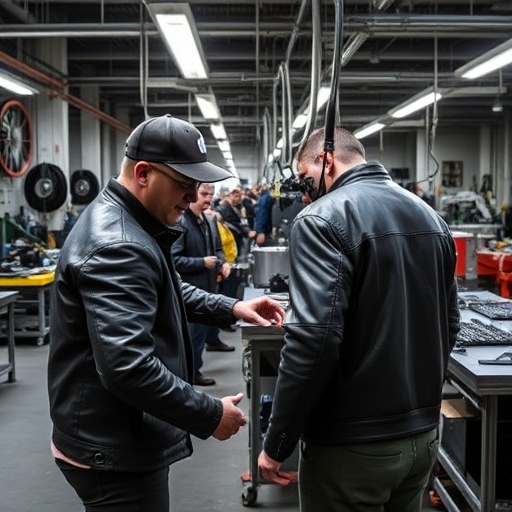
[{"x": 208, "y": 481}]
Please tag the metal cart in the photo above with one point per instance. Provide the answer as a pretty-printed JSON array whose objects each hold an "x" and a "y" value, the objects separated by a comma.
[
  {"x": 7, "y": 300},
  {"x": 262, "y": 347},
  {"x": 32, "y": 290}
]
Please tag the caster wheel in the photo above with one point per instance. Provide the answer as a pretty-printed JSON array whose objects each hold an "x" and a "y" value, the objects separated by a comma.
[
  {"x": 249, "y": 496},
  {"x": 40, "y": 341}
]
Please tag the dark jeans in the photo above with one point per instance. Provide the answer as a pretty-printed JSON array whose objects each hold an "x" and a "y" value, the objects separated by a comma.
[
  {"x": 112, "y": 491},
  {"x": 383, "y": 476},
  {"x": 199, "y": 335},
  {"x": 212, "y": 336},
  {"x": 229, "y": 286}
]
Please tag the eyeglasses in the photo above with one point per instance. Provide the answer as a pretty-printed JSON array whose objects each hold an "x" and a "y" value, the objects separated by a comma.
[{"x": 182, "y": 184}]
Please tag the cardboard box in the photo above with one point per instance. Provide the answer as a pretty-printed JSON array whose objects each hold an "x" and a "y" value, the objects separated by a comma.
[{"x": 462, "y": 437}]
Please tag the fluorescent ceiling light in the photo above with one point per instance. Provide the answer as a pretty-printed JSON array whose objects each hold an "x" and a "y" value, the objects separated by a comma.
[
  {"x": 490, "y": 61},
  {"x": 218, "y": 131},
  {"x": 497, "y": 105},
  {"x": 368, "y": 130},
  {"x": 322, "y": 97},
  {"x": 177, "y": 27},
  {"x": 300, "y": 121},
  {"x": 208, "y": 106},
  {"x": 421, "y": 100},
  {"x": 223, "y": 145},
  {"x": 10, "y": 83}
]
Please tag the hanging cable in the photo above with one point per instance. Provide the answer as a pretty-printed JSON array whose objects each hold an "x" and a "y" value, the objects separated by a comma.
[
  {"x": 330, "y": 114},
  {"x": 316, "y": 64}
]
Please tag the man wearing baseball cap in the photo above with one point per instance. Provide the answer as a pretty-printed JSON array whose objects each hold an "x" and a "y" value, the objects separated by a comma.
[{"x": 120, "y": 363}]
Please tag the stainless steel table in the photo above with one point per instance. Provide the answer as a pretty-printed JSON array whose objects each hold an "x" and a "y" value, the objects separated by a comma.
[
  {"x": 7, "y": 300},
  {"x": 262, "y": 348},
  {"x": 485, "y": 383}
]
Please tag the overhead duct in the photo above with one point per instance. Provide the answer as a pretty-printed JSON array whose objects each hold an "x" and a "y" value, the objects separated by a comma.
[{"x": 57, "y": 87}]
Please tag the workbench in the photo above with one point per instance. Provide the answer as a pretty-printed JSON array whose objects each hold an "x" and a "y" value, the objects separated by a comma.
[
  {"x": 482, "y": 384},
  {"x": 262, "y": 349},
  {"x": 32, "y": 290},
  {"x": 7, "y": 300}
]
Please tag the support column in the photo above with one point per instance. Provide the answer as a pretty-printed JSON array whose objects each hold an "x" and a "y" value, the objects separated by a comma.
[{"x": 51, "y": 124}]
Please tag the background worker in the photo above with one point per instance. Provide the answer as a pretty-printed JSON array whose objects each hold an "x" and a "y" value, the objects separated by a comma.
[
  {"x": 373, "y": 319},
  {"x": 228, "y": 286},
  {"x": 120, "y": 361},
  {"x": 200, "y": 260},
  {"x": 232, "y": 216},
  {"x": 263, "y": 221}
]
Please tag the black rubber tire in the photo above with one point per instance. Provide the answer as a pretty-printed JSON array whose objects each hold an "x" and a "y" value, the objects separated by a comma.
[
  {"x": 45, "y": 187},
  {"x": 84, "y": 186}
]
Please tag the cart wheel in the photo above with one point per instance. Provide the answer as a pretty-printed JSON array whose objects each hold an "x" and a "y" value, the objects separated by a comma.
[{"x": 249, "y": 496}]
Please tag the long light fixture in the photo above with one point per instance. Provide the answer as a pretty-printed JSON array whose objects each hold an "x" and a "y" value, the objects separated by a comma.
[
  {"x": 9, "y": 82},
  {"x": 490, "y": 61},
  {"x": 218, "y": 131},
  {"x": 177, "y": 27},
  {"x": 321, "y": 99},
  {"x": 363, "y": 132},
  {"x": 417, "y": 102},
  {"x": 208, "y": 106}
]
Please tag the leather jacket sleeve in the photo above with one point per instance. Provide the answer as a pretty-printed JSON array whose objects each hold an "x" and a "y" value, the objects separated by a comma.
[
  {"x": 312, "y": 334},
  {"x": 120, "y": 320},
  {"x": 206, "y": 307}
]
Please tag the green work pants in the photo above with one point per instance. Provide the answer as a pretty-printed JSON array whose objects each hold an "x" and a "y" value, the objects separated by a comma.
[{"x": 383, "y": 476}]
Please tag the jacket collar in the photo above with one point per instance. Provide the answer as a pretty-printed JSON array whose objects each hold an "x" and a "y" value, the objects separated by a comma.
[
  {"x": 369, "y": 170},
  {"x": 133, "y": 206}
]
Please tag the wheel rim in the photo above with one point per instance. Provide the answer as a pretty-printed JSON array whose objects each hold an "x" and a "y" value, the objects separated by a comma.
[{"x": 15, "y": 139}]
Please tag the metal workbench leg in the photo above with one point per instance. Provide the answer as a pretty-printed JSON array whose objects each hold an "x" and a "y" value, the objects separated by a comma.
[
  {"x": 11, "y": 342},
  {"x": 488, "y": 470},
  {"x": 254, "y": 418}
]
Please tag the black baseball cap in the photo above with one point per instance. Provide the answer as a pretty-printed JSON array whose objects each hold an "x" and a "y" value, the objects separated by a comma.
[{"x": 176, "y": 143}]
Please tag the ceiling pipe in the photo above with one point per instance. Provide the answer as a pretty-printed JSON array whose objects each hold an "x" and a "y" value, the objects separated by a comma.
[
  {"x": 367, "y": 23},
  {"x": 57, "y": 89},
  {"x": 17, "y": 12}
]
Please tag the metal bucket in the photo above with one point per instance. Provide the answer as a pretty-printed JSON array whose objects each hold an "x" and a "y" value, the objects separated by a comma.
[{"x": 267, "y": 262}]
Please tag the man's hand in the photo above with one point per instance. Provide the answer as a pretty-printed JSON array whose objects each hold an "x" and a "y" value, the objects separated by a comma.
[
  {"x": 210, "y": 261},
  {"x": 225, "y": 270},
  {"x": 269, "y": 470},
  {"x": 260, "y": 310},
  {"x": 232, "y": 418},
  {"x": 260, "y": 239}
]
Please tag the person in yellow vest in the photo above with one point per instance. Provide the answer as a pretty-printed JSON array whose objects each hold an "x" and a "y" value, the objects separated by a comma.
[{"x": 228, "y": 285}]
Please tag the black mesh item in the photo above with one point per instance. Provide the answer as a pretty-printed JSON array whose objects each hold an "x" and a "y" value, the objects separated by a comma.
[
  {"x": 84, "y": 186},
  {"x": 493, "y": 310},
  {"x": 45, "y": 187}
]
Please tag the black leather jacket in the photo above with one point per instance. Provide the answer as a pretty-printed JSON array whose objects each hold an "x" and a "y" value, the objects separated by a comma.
[
  {"x": 192, "y": 246},
  {"x": 120, "y": 358},
  {"x": 373, "y": 317}
]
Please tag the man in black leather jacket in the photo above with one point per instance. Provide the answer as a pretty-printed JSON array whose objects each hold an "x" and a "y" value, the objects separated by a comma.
[
  {"x": 372, "y": 321},
  {"x": 120, "y": 362},
  {"x": 199, "y": 259}
]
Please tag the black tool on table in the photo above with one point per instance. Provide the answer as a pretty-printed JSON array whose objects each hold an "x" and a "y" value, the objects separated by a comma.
[{"x": 505, "y": 358}]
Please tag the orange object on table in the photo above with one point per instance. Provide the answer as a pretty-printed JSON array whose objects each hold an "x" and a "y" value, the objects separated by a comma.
[{"x": 497, "y": 264}]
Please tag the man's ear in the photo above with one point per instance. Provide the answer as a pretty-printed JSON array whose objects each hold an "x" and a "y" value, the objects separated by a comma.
[
  {"x": 329, "y": 160},
  {"x": 141, "y": 171}
]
